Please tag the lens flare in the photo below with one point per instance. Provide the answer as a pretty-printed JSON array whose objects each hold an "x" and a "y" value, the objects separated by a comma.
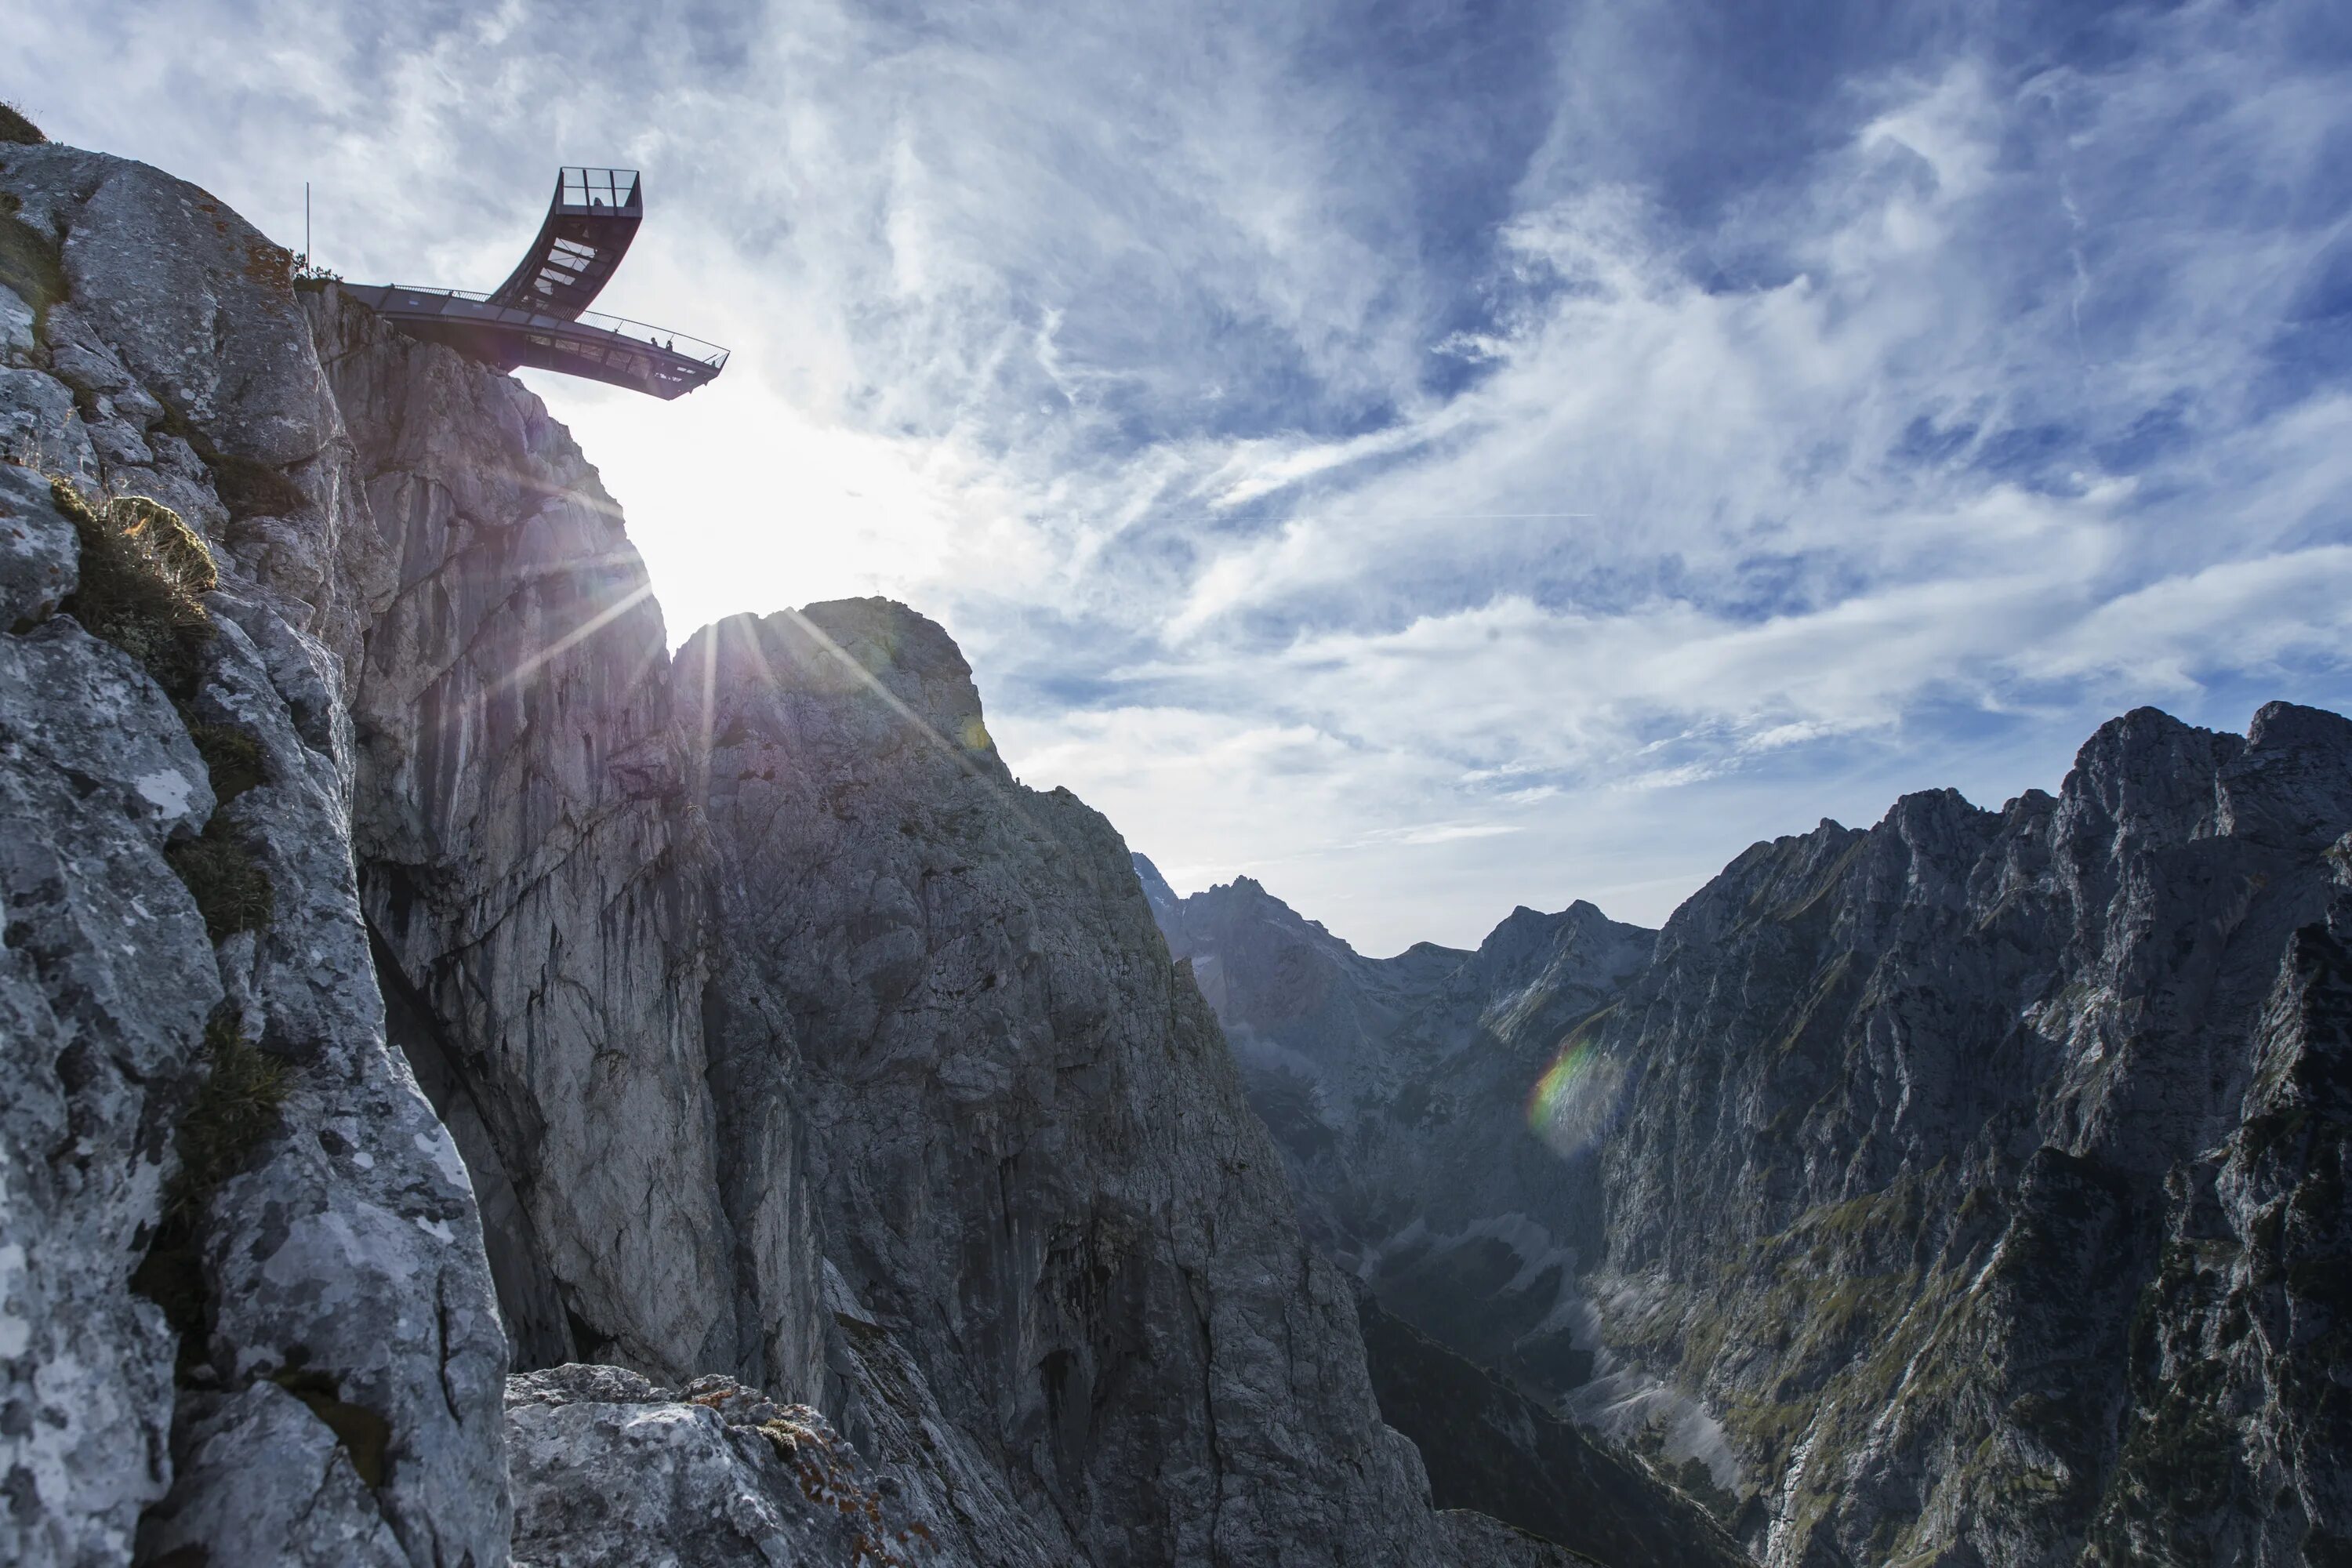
[{"x": 1575, "y": 1101}]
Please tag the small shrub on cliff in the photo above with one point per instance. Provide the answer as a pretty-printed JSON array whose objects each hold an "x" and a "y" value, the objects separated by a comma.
[
  {"x": 231, "y": 889},
  {"x": 234, "y": 1108},
  {"x": 142, "y": 573},
  {"x": 15, "y": 128},
  {"x": 231, "y": 757}
]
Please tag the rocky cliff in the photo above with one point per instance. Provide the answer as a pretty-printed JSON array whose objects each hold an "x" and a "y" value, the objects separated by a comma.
[
  {"x": 1398, "y": 1091},
  {"x": 413, "y": 975},
  {"x": 2009, "y": 1221},
  {"x": 1966, "y": 1189}
]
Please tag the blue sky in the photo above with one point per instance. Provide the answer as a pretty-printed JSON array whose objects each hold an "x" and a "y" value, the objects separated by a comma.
[{"x": 1430, "y": 457}]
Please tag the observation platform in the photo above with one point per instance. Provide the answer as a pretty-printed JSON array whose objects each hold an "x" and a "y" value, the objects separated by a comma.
[{"x": 540, "y": 318}]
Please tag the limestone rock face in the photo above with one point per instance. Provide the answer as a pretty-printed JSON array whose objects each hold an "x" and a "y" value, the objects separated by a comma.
[
  {"x": 1031, "y": 1159},
  {"x": 613, "y": 1472},
  {"x": 106, "y": 979},
  {"x": 1968, "y": 1189},
  {"x": 531, "y": 876},
  {"x": 765, "y": 1027},
  {"x": 1974, "y": 1169},
  {"x": 332, "y": 1312}
]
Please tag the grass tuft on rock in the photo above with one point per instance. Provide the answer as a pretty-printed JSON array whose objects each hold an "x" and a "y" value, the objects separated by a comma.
[
  {"x": 17, "y": 130},
  {"x": 231, "y": 889},
  {"x": 232, "y": 757},
  {"x": 237, "y": 1107},
  {"x": 144, "y": 575}
]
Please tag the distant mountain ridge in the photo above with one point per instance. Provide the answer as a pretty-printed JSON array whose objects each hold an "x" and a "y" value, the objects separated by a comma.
[{"x": 1968, "y": 1188}]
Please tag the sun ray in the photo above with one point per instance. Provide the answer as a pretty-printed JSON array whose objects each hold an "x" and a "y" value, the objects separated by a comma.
[{"x": 581, "y": 633}]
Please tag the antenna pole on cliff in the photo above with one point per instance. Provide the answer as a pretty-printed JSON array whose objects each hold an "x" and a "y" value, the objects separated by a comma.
[{"x": 306, "y": 223}]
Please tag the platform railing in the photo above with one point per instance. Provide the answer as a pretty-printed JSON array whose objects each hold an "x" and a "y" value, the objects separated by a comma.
[
  {"x": 660, "y": 338},
  {"x": 615, "y": 189}
]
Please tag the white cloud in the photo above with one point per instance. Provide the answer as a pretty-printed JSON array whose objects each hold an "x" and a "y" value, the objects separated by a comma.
[{"x": 1118, "y": 341}]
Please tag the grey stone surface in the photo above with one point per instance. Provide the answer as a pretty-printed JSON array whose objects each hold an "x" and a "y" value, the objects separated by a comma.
[
  {"x": 262, "y": 1480},
  {"x": 611, "y": 1471},
  {"x": 15, "y": 327},
  {"x": 1956, "y": 1079},
  {"x": 1966, "y": 1189},
  {"x": 1031, "y": 1157},
  {"x": 105, "y": 978},
  {"x": 342, "y": 1257},
  {"x": 532, "y": 881}
]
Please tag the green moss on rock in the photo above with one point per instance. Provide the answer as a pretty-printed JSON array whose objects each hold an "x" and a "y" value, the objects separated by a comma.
[
  {"x": 32, "y": 264},
  {"x": 235, "y": 1109}
]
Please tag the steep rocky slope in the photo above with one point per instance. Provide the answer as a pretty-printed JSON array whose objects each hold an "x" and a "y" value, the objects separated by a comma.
[
  {"x": 1981, "y": 1171},
  {"x": 1968, "y": 1189},
  {"x": 1030, "y": 1159},
  {"x": 1397, "y": 1089},
  {"x": 761, "y": 1028},
  {"x": 199, "y": 1089}
]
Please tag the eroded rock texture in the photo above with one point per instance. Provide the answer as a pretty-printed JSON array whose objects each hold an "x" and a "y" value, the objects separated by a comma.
[
  {"x": 870, "y": 1088},
  {"x": 613, "y": 1472},
  {"x": 1983, "y": 1240},
  {"x": 1030, "y": 1159},
  {"x": 338, "y": 1355}
]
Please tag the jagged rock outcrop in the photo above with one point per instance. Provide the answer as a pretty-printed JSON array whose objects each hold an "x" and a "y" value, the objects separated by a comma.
[
  {"x": 179, "y": 897},
  {"x": 780, "y": 1039},
  {"x": 1966, "y": 1189},
  {"x": 1979, "y": 1170},
  {"x": 613, "y": 1472},
  {"x": 1397, "y": 1089},
  {"x": 1030, "y": 1159}
]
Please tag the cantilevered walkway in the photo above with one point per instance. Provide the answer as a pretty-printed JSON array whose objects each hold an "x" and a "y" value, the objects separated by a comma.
[{"x": 539, "y": 317}]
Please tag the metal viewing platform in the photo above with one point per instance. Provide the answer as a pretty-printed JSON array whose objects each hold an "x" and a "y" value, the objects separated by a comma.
[{"x": 540, "y": 318}]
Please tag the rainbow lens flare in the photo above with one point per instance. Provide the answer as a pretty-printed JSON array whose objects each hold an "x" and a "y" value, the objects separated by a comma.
[{"x": 1575, "y": 1101}]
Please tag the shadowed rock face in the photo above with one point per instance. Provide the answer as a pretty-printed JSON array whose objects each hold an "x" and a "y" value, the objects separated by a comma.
[
  {"x": 1492, "y": 1448},
  {"x": 780, "y": 1036},
  {"x": 1397, "y": 1089},
  {"x": 1966, "y": 1188},
  {"x": 1031, "y": 1158},
  {"x": 532, "y": 878},
  {"x": 1979, "y": 1171}
]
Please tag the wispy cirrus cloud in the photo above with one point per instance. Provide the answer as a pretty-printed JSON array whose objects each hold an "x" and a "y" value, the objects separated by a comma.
[{"x": 1434, "y": 457}]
